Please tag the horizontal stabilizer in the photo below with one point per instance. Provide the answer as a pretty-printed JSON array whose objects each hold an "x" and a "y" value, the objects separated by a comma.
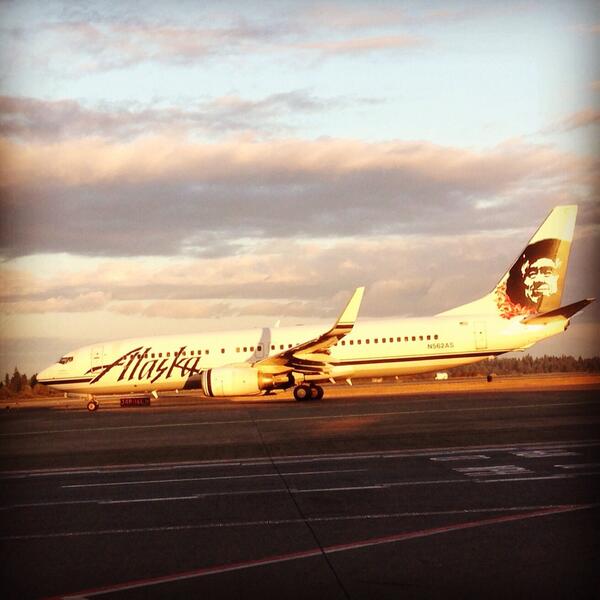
[{"x": 564, "y": 312}]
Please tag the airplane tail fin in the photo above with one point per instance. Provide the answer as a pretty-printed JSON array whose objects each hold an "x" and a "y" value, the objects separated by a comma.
[{"x": 534, "y": 284}]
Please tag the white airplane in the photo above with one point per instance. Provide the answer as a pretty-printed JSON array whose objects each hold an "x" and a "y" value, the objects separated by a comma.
[{"x": 522, "y": 309}]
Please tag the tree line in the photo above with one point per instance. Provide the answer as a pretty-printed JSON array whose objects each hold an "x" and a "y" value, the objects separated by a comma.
[
  {"x": 18, "y": 384},
  {"x": 527, "y": 365}
]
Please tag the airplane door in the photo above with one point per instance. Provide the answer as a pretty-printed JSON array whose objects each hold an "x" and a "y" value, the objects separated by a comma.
[
  {"x": 480, "y": 335},
  {"x": 97, "y": 356}
]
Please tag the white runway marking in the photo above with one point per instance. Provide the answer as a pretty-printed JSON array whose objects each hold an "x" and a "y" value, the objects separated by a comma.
[
  {"x": 459, "y": 457},
  {"x": 272, "y": 522},
  {"x": 292, "y": 459},
  {"x": 292, "y": 419},
  {"x": 216, "y": 478},
  {"x": 471, "y": 472},
  {"x": 386, "y": 485},
  {"x": 541, "y": 477},
  {"x": 544, "y": 453},
  {"x": 44, "y": 504},
  {"x": 230, "y": 493},
  {"x": 300, "y": 554},
  {"x": 193, "y": 497},
  {"x": 494, "y": 470}
]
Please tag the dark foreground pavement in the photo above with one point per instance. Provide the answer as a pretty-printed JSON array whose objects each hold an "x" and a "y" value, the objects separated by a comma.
[{"x": 469, "y": 495}]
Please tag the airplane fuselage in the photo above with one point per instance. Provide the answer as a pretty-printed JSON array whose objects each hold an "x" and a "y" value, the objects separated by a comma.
[{"x": 374, "y": 348}]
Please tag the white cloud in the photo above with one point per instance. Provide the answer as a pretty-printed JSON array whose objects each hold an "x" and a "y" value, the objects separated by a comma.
[
  {"x": 162, "y": 195},
  {"x": 365, "y": 45},
  {"x": 582, "y": 118},
  {"x": 88, "y": 302},
  {"x": 411, "y": 275},
  {"x": 33, "y": 119}
]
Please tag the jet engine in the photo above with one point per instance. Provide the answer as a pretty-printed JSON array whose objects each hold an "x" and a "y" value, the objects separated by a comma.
[{"x": 234, "y": 380}]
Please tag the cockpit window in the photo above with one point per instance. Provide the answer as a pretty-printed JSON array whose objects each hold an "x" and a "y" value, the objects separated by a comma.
[{"x": 65, "y": 359}]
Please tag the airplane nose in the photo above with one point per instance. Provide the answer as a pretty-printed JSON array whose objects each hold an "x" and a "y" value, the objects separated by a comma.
[{"x": 45, "y": 375}]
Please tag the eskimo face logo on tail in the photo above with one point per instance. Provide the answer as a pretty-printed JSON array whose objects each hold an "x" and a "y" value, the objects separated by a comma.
[{"x": 536, "y": 279}]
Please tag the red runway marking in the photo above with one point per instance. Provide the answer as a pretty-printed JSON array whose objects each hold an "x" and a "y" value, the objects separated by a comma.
[{"x": 269, "y": 560}]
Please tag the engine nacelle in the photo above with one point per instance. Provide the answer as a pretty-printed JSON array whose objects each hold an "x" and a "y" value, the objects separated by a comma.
[{"x": 235, "y": 381}]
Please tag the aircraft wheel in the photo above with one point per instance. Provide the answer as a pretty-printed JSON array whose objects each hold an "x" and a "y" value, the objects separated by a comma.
[
  {"x": 302, "y": 392},
  {"x": 92, "y": 405},
  {"x": 489, "y": 378},
  {"x": 316, "y": 392}
]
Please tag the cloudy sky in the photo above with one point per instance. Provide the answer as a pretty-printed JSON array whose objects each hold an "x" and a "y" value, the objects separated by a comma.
[{"x": 187, "y": 166}]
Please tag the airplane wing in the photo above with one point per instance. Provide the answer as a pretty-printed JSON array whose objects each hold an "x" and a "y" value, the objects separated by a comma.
[{"x": 311, "y": 357}]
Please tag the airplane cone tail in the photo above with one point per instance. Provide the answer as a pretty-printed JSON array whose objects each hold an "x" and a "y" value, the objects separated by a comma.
[{"x": 535, "y": 282}]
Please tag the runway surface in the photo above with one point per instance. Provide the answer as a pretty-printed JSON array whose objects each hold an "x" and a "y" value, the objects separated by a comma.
[{"x": 465, "y": 495}]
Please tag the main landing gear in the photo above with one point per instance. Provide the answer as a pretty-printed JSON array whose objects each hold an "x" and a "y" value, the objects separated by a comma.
[
  {"x": 308, "y": 392},
  {"x": 92, "y": 405}
]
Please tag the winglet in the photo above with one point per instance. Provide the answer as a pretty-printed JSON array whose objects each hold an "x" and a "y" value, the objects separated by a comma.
[
  {"x": 314, "y": 352},
  {"x": 349, "y": 314}
]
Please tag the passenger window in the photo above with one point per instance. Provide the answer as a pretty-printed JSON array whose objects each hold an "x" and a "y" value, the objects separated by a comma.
[
  {"x": 399, "y": 339},
  {"x": 367, "y": 341},
  {"x": 206, "y": 352},
  {"x": 251, "y": 348},
  {"x": 428, "y": 337},
  {"x": 258, "y": 348},
  {"x": 414, "y": 339},
  {"x": 375, "y": 340},
  {"x": 359, "y": 341},
  {"x": 435, "y": 337},
  {"x": 289, "y": 345},
  {"x": 237, "y": 349},
  {"x": 281, "y": 346},
  {"x": 152, "y": 355},
  {"x": 192, "y": 352},
  {"x": 343, "y": 342},
  {"x": 406, "y": 338},
  {"x": 272, "y": 346},
  {"x": 420, "y": 338},
  {"x": 245, "y": 348},
  {"x": 160, "y": 355},
  {"x": 382, "y": 340},
  {"x": 222, "y": 350},
  {"x": 351, "y": 342}
]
